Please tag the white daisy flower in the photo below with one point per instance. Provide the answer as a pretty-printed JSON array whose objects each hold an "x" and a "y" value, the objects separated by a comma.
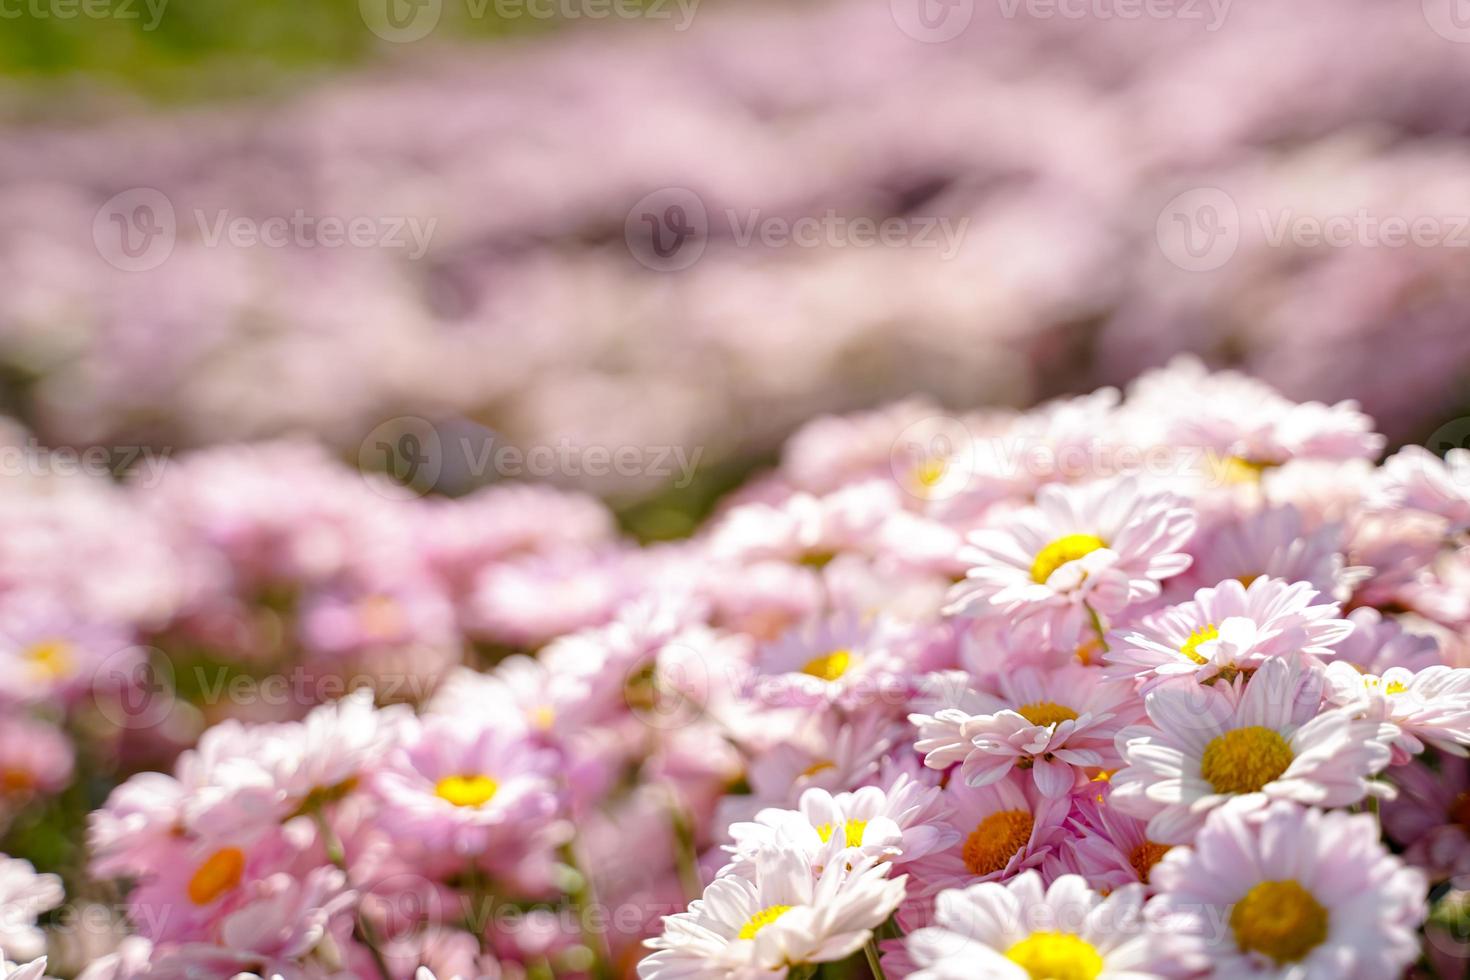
[
  {"x": 1430, "y": 706},
  {"x": 1207, "y": 745},
  {"x": 1293, "y": 893},
  {"x": 1018, "y": 931},
  {"x": 34, "y": 970},
  {"x": 1082, "y": 550},
  {"x": 24, "y": 895},
  {"x": 1225, "y": 630},
  {"x": 898, "y": 825},
  {"x": 781, "y": 918}
]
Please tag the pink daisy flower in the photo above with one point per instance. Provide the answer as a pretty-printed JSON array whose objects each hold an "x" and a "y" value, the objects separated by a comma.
[
  {"x": 455, "y": 787},
  {"x": 1430, "y": 816},
  {"x": 1275, "y": 542},
  {"x": 1056, "y": 723},
  {"x": 998, "y": 830},
  {"x": 1268, "y": 740},
  {"x": 1416, "y": 478},
  {"x": 836, "y": 660},
  {"x": 1225, "y": 630},
  {"x": 1430, "y": 706},
  {"x": 1086, "y": 550},
  {"x": 1107, "y": 847},
  {"x": 1290, "y": 892}
]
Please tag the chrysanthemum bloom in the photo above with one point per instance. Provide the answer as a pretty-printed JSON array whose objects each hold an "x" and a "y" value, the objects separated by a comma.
[
  {"x": 1379, "y": 642},
  {"x": 900, "y": 824},
  {"x": 275, "y": 931},
  {"x": 1416, "y": 478},
  {"x": 1271, "y": 740},
  {"x": 1225, "y": 630},
  {"x": 1246, "y": 421},
  {"x": 1277, "y": 542},
  {"x": 1300, "y": 894},
  {"x": 999, "y": 830},
  {"x": 24, "y": 895},
  {"x": 837, "y": 660},
  {"x": 1055, "y": 723},
  {"x": 34, "y": 970},
  {"x": 1430, "y": 706},
  {"x": 36, "y": 758},
  {"x": 1107, "y": 847},
  {"x": 51, "y": 652},
  {"x": 1430, "y": 816},
  {"x": 1081, "y": 551},
  {"x": 784, "y": 917},
  {"x": 1020, "y": 931},
  {"x": 803, "y": 528},
  {"x": 455, "y": 787}
]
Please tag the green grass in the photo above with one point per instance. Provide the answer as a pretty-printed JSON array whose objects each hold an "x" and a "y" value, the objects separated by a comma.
[{"x": 187, "y": 50}]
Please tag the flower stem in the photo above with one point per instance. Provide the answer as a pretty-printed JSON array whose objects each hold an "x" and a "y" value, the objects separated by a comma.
[{"x": 871, "y": 949}]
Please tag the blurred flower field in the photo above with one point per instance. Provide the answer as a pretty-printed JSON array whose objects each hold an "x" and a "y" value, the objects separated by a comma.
[{"x": 693, "y": 490}]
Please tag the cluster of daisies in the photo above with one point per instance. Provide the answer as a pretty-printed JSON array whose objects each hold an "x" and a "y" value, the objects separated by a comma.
[{"x": 1160, "y": 683}]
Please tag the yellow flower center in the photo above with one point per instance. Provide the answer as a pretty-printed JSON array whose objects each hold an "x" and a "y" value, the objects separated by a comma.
[
  {"x": 996, "y": 839},
  {"x": 1056, "y": 956},
  {"x": 1061, "y": 551},
  {"x": 930, "y": 472},
  {"x": 467, "y": 790},
  {"x": 1145, "y": 856},
  {"x": 1244, "y": 759},
  {"x": 543, "y": 716},
  {"x": 1204, "y": 634},
  {"x": 762, "y": 919},
  {"x": 220, "y": 872},
  {"x": 1238, "y": 469},
  {"x": 821, "y": 765},
  {"x": 830, "y": 666},
  {"x": 852, "y": 831},
  {"x": 1394, "y": 687},
  {"x": 1046, "y": 712},
  {"x": 1279, "y": 918},
  {"x": 50, "y": 660}
]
